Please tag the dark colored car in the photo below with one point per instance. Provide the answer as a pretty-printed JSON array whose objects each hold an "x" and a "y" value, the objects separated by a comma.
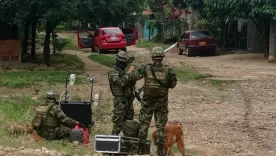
[
  {"x": 131, "y": 35},
  {"x": 196, "y": 41}
]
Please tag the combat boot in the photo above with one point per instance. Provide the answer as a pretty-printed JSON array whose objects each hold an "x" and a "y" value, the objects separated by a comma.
[
  {"x": 141, "y": 148},
  {"x": 160, "y": 149}
]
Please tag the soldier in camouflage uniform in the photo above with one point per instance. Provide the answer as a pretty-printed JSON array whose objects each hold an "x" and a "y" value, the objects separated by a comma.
[
  {"x": 122, "y": 88},
  {"x": 155, "y": 97},
  {"x": 50, "y": 122}
]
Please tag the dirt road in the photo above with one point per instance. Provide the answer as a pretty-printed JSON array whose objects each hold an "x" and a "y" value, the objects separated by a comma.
[{"x": 237, "y": 120}]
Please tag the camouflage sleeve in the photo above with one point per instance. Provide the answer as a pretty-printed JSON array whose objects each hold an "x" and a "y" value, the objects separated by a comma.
[
  {"x": 172, "y": 78},
  {"x": 114, "y": 77},
  {"x": 137, "y": 74},
  {"x": 59, "y": 114},
  {"x": 127, "y": 79}
]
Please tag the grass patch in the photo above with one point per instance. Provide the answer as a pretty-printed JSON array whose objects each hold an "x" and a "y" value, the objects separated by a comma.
[
  {"x": 189, "y": 74},
  {"x": 21, "y": 110},
  {"x": 220, "y": 83},
  {"x": 70, "y": 61},
  {"x": 151, "y": 44},
  {"x": 103, "y": 59},
  {"x": 107, "y": 60},
  {"x": 22, "y": 79},
  {"x": 61, "y": 27},
  {"x": 17, "y": 109},
  {"x": 70, "y": 43}
]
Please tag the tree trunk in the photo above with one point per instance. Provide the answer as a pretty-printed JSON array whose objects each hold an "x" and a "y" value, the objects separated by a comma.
[
  {"x": 237, "y": 35},
  {"x": 46, "y": 50},
  {"x": 54, "y": 42},
  {"x": 272, "y": 45},
  {"x": 26, "y": 37},
  {"x": 34, "y": 24},
  {"x": 221, "y": 34},
  {"x": 267, "y": 36}
]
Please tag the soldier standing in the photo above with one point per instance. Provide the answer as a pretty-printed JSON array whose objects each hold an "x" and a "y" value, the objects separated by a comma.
[
  {"x": 122, "y": 88},
  {"x": 50, "y": 122},
  {"x": 158, "y": 79}
]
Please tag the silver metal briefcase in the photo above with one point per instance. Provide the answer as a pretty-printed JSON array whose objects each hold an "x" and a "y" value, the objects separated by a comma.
[{"x": 107, "y": 143}]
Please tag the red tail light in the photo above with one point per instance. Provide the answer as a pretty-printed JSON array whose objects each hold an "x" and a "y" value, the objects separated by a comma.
[
  {"x": 123, "y": 37},
  {"x": 194, "y": 42}
]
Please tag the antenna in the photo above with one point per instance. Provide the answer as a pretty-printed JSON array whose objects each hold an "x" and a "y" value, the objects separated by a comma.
[{"x": 91, "y": 80}]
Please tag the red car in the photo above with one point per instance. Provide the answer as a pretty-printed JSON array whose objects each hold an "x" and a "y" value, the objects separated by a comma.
[
  {"x": 196, "y": 41},
  {"x": 108, "y": 38}
]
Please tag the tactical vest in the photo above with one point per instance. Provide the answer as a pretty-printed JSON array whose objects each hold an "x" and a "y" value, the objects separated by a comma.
[
  {"x": 117, "y": 90},
  {"x": 43, "y": 118},
  {"x": 154, "y": 88}
]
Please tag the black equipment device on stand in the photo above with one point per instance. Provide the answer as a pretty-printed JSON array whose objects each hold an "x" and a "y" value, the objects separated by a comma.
[{"x": 79, "y": 110}]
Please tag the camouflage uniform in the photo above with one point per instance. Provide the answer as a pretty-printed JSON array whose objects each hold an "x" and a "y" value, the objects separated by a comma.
[
  {"x": 155, "y": 97},
  {"x": 122, "y": 89},
  {"x": 50, "y": 122}
]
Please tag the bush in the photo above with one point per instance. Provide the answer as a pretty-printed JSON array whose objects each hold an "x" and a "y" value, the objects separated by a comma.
[{"x": 62, "y": 27}]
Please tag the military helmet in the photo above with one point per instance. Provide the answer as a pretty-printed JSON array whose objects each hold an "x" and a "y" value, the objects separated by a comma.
[
  {"x": 123, "y": 56},
  {"x": 157, "y": 52},
  {"x": 52, "y": 95}
]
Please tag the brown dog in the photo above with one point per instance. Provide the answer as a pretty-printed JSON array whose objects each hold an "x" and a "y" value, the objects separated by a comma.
[
  {"x": 174, "y": 134},
  {"x": 30, "y": 130},
  {"x": 19, "y": 129}
]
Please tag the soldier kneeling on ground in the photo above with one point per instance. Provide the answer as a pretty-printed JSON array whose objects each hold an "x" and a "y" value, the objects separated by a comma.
[{"x": 50, "y": 122}]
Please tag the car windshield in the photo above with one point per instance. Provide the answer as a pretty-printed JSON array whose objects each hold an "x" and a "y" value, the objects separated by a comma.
[
  {"x": 201, "y": 34},
  {"x": 111, "y": 31}
]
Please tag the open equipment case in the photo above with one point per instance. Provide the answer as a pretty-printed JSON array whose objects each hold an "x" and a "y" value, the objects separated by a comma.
[
  {"x": 119, "y": 145},
  {"x": 78, "y": 110}
]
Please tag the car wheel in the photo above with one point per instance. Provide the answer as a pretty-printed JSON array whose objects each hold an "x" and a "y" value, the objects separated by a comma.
[
  {"x": 214, "y": 53},
  {"x": 180, "y": 52},
  {"x": 93, "y": 49},
  {"x": 188, "y": 53},
  {"x": 100, "y": 51}
]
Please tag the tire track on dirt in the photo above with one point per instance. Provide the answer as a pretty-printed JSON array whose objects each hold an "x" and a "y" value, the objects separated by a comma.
[{"x": 248, "y": 113}]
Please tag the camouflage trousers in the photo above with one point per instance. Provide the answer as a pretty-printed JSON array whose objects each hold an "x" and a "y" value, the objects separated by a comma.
[
  {"x": 160, "y": 112},
  {"x": 54, "y": 133},
  {"x": 123, "y": 111}
]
